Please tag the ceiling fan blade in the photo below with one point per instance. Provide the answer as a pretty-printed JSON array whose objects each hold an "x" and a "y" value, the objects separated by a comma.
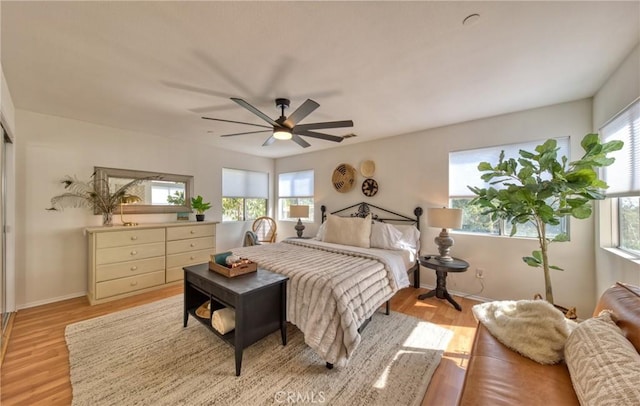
[
  {"x": 254, "y": 111},
  {"x": 269, "y": 141},
  {"x": 322, "y": 136},
  {"x": 301, "y": 112},
  {"x": 235, "y": 122},
  {"x": 300, "y": 141},
  {"x": 249, "y": 132},
  {"x": 328, "y": 124}
]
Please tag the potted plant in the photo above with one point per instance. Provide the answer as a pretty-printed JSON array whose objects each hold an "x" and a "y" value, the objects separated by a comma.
[
  {"x": 538, "y": 188},
  {"x": 200, "y": 207},
  {"x": 93, "y": 194}
]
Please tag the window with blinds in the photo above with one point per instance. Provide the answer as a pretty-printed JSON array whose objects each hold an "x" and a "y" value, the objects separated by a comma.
[
  {"x": 245, "y": 194},
  {"x": 463, "y": 172},
  {"x": 295, "y": 188},
  {"x": 623, "y": 176}
]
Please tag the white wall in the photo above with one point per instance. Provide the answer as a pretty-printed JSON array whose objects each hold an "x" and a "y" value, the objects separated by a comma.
[
  {"x": 412, "y": 170},
  {"x": 622, "y": 88},
  {"x": 51, "y": 249}
]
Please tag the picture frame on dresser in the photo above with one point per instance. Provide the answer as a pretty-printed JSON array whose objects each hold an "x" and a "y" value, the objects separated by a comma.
[{"x": 125, "y": 261}]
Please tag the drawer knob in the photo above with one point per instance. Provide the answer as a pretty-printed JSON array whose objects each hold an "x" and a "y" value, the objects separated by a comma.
[
  {"x": 134, "y": 252},
  {"x": 192, "y": 257},
  {"x": 193, "y": 231},
  {"x": 134, "y": 283},
  {"x": 133, "y": 237},
  {"x": 192, "y": 244},
  {"x": 133, "y": 268}
]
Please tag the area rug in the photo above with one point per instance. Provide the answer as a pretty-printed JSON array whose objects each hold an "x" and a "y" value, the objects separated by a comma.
[{"x": 144, "y": 356}]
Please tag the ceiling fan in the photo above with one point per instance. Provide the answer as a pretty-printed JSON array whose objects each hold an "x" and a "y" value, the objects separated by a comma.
[{"x": 287, "y": 128}]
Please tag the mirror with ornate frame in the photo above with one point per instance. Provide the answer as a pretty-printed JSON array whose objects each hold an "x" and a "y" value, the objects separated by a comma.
[{"x": 153, "y": 192}]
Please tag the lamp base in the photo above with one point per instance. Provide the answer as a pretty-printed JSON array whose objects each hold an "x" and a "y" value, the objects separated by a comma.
[
  {"x": 129, "y": 224},
  {"x": 444, "y": 243},
  {"x": 299, "y": 228}
]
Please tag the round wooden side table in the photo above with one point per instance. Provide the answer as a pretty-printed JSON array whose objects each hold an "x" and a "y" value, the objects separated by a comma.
[{"x": 442, "y": 268}]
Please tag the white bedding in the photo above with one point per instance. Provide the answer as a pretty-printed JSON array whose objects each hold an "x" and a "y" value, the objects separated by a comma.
[
  {"x": 332, "y": 288},
  {"x": 399, "y": 261}
]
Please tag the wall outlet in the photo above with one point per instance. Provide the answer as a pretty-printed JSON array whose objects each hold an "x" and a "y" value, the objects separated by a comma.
[{"x": 479, "y": 273}]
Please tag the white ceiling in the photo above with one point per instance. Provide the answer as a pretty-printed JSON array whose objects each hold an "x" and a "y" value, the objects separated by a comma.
[{"x": 391, "y": 67}]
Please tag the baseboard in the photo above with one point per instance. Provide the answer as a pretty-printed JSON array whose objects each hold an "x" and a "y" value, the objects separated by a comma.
[
  {"x": 461, "y": 294},
  {"x": 50, "y": 300}
]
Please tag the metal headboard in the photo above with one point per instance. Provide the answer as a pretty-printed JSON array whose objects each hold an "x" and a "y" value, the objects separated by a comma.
[{"x": 364, "y": 209}]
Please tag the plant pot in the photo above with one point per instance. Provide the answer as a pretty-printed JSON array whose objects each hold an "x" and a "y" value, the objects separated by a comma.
[
  {"x": 199, "y": 217},
  {"x": 569, "y": 313}
]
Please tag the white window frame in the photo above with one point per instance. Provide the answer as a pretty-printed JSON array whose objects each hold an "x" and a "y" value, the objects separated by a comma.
[
  {"x": 459, "y": 190},
  {"x": 244, "y": 184},
  {"x": 296, "y": 188},
  {"x": 623, "y": 126}
]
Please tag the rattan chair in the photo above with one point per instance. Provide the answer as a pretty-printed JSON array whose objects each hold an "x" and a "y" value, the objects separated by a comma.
[{"x": 265, "y": 228}]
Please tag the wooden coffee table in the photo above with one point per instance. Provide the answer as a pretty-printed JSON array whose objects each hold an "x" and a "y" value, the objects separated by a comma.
[{"x": 259, "y": 299}]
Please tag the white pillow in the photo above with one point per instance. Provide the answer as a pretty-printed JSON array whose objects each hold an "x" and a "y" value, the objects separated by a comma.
[
  {"x": 410, "y": 237},
  {"x": 385, "y": 236},
  {"x": 321, "y": 230},
  {"x": 352, "y": 231}
]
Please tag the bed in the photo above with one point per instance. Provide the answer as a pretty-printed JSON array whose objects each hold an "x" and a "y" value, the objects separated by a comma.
[{"x": 361, "y": 256}]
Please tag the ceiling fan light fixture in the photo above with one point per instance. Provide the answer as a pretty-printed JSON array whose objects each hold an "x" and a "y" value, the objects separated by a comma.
[{"x": 282, "y": 134}]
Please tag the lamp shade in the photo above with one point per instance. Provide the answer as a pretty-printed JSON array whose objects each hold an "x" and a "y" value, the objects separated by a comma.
[
  {"x": 444, "y": 218},
  {"x": 301, "y": 211},
  {"x": 130, "y": 199}
]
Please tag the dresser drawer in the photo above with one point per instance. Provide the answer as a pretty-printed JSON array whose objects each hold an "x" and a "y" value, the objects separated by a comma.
[
  {"x": 189, "y": 258},
  {"x": 121, "y": 254},
  {"x": 181, "y": 233},
  {"x": 129, "y": 237},
  {"x": 175, "y": 274},
  {"x": 130, "y": 284},
  {"x": 129, "y": 268},
  {"x": 193, "y": 244}
]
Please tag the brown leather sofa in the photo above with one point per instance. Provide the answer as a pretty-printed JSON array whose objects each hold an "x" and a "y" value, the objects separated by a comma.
[{"x": 497, "y": 375}]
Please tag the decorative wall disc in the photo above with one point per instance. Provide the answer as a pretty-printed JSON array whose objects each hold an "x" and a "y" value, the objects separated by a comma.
[
  {"x": 367, "y": 168},
  {"x": 344, "y": 178},
  {"x": 369, "y": 187}
]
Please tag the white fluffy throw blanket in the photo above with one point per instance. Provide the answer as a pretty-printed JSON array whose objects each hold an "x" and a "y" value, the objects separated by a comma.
[{"x": 533, "y": 328}]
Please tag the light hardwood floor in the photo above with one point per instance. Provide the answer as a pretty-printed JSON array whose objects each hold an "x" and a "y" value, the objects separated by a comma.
[{"x": 36, "y": 365}]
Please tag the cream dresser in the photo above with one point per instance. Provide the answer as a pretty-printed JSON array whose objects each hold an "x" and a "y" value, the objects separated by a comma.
[{"x": 125, "y": 261}]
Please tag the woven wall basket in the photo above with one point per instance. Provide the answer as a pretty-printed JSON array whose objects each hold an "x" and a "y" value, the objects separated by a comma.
[{"x": 344, "y": 178}]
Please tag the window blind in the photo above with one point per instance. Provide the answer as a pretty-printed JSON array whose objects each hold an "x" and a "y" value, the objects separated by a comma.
[
  {"x": 248, "y": 184},
  {"x": 295, "y": 184},
  {"x": 623, "y": 176},
  {"x": 463, "y": 165}
]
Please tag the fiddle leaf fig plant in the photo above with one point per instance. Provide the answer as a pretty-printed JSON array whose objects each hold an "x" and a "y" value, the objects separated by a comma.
[{"x": 540, "y": 188}]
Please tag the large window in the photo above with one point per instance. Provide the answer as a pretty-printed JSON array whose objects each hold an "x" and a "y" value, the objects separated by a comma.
[
  {"x": 295, "y": 188},
  {"x": 463, "y": 172},
  {"x": 244, "y": 194},
  {"x": 623, "y": 177}
]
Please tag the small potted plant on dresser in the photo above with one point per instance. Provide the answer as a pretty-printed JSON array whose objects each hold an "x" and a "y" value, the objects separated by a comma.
[{"x": 200, "y": 207}]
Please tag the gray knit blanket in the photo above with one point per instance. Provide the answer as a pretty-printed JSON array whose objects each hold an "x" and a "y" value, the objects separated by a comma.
[{"x": 330, "y": 293}]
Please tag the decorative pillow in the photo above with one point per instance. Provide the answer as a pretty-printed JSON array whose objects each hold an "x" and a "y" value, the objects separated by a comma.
[
  {"x": 604, "y": 366},
  {"x": 352, "y": 231},
  {"x": 385, "y": 236},
  {"x": 533, "y": 328}
]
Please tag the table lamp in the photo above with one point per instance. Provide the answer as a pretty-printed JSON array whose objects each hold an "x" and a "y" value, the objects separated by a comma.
[
  {"x": 299, "y": 211},
  {"x": 128, "y": 199},
  {"x": 445, "y": 219}
]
